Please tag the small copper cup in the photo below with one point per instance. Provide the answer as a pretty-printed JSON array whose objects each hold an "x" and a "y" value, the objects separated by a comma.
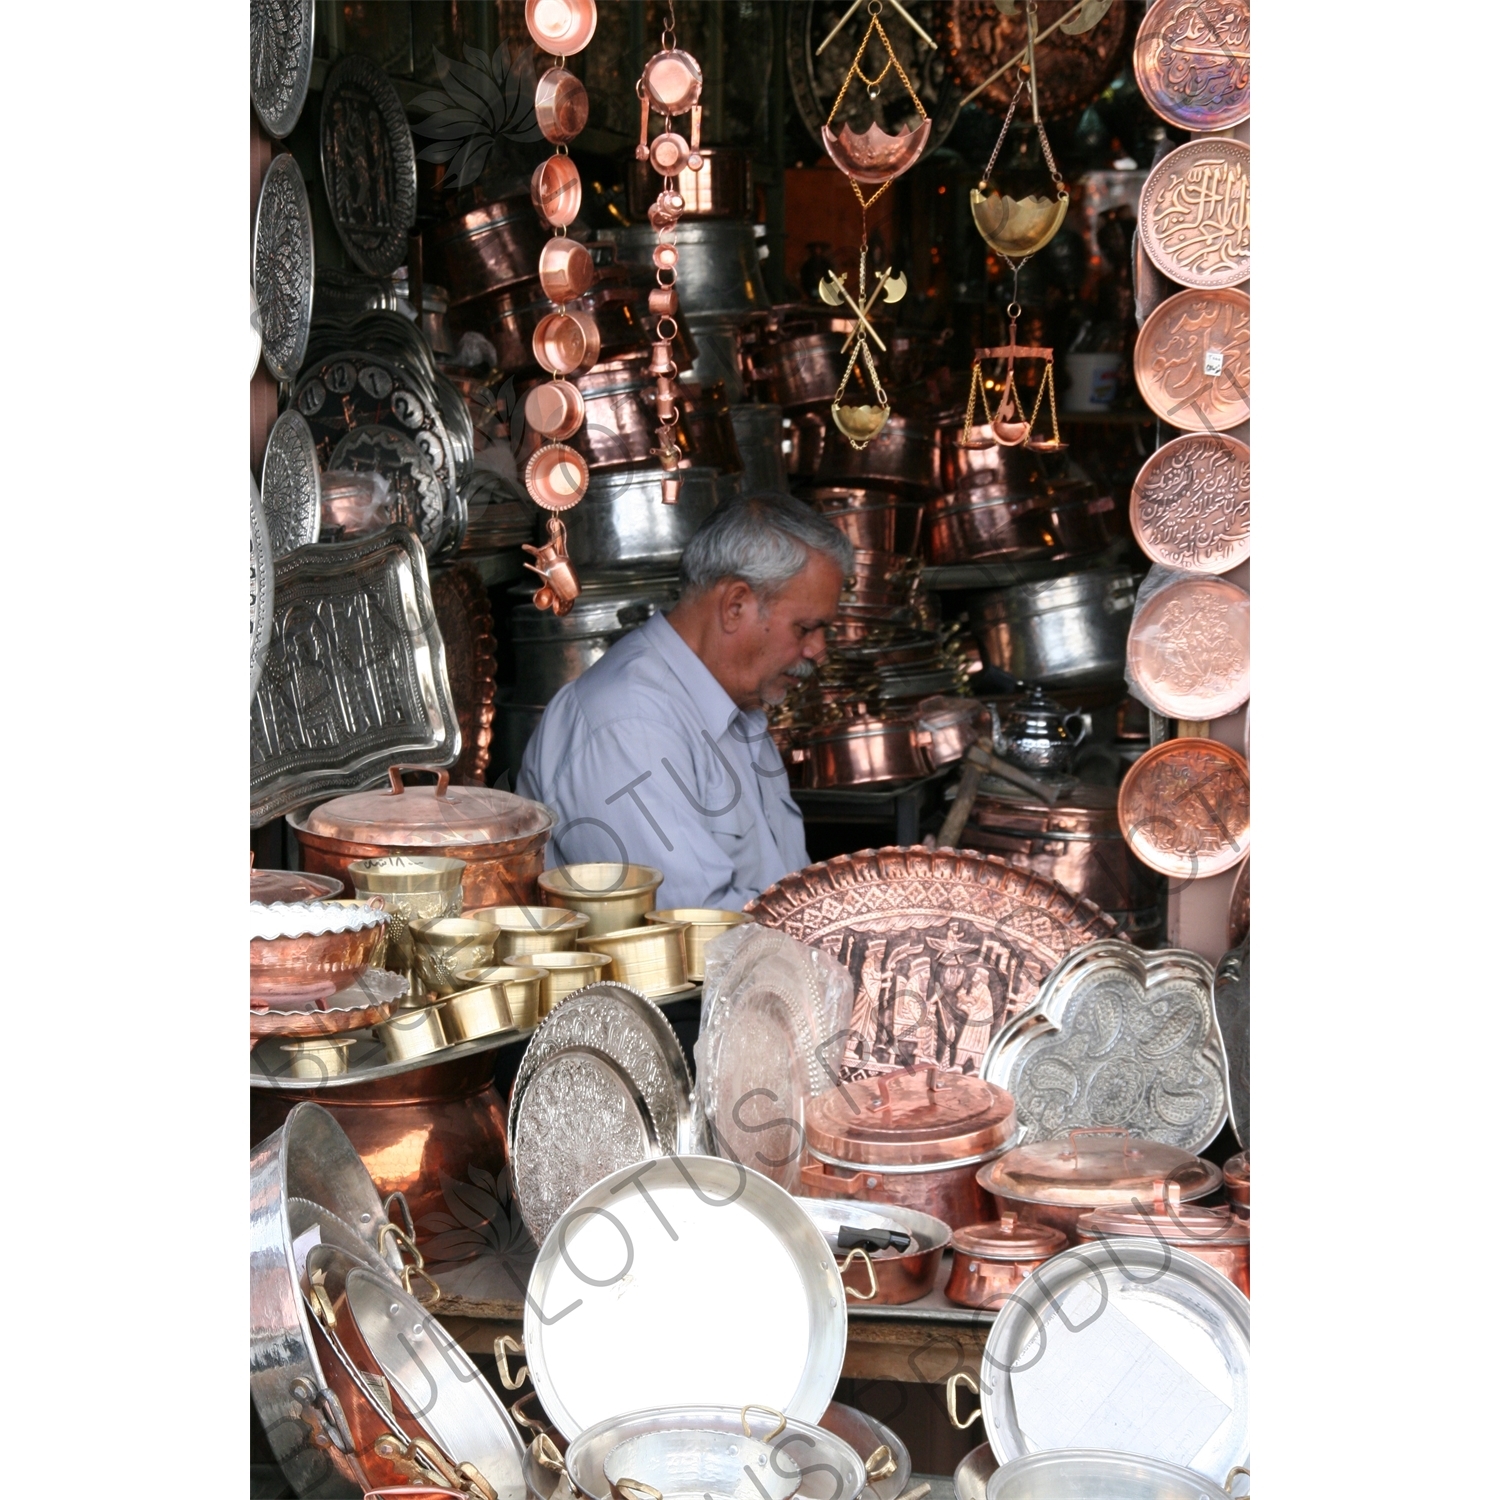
[
  {"x": 554, "y": 409},
  {"x": 561, "y": 27},
  {"x": 562, "y": 105},
  {"x": 566, "y": 343},
  {"x": 556, "y": 477},
  {"x": 557, "y": 191},
  {"x": 566, "y": 269}
]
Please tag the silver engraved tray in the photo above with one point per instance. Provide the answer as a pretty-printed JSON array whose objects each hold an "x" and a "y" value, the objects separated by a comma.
[
  {"x": 1116, "y": 1036},
  {"x": 281, "y": 58},
  {"x": 354, "y": 679},
  {"x": 283, "y": 266}
]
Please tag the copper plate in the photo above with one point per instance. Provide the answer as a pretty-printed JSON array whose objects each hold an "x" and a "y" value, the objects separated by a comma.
[
  {"x": 1190, "y": 504},
  {"x": 557, "y": 191},
  {"x": 928, "y": 932},
  {"x": 1192, "y": 360},
  {"x": 1192, "y": 62},
  {"x": 1195, "y": 214},
  {"x": 1185, "y": 808},
  {"x": 1189, "y": 648},
  {"x": 466, "y": 623}
]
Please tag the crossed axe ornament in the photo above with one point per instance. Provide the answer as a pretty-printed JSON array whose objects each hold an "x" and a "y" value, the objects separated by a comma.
[{"x": 832, "y": 290}]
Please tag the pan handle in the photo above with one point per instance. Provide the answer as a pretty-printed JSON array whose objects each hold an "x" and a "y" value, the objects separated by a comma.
[
  {"x": 848, "y": 1260},
  {"x": 770, "y": 1411},
  {"x": 967, "y": 1381},
  {"x": 524, "y": 1417},
  {"x": 398, "y": 786},
  {"x": 414, "y": 1267},
  {"x": 881, "y": 1464},
  {"x": 1234, "y": 1474},
  {"x": 544, "y": 1451},
  {"x": 634, "y": 1489},
  {"x": 505, "y": 1346}
]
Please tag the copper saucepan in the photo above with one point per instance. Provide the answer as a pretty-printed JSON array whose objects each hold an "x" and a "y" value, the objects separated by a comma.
[
  {"x": 562, "y": 105},
  {"x": 554, "y": 409},
  {"x": 557, "y": 191},
  {"x": 566, "y": 343},
  {"x": 866, "y": 749},
  {"x": 485, "y": 250},
  {"x": 991, "y": 1260}
]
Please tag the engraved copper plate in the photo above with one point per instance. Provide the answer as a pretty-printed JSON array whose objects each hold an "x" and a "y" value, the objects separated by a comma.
[
  {"x": 1190, "y": 504},
  {"x": 1237, "y": 921},
  {"x": 369, "y": 165},
  {"x": 281, "y": 57},
  {"x": 1192, "y": 360},
  {"x": 1117, "y": 1037},
  {"x": 1192, "y": 62},
  {"x": 1185, "y": 808},
  {"x": 1189, "y": 648},
  {"x": 467, "y": 625},
  {"x": 283, "y": 267},
  {"x": 354, "y": 679},
  {"x": 944, "y": 947},
  {"x": 1195, "y": 214},
  {"x": 290, "y": 489}
]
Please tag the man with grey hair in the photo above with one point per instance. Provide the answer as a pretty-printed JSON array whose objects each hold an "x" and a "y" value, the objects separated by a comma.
[{"x": 659, "y": 754}]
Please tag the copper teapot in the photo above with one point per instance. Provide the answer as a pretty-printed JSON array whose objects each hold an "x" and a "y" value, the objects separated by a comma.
[{"x": 1039, "y": 736}]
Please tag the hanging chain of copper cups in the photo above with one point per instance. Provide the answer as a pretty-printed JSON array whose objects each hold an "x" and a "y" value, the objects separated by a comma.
[
  {"x": 869, "y": 158},
  {"x": 671, "y": 84},
  {"x": 565, "y": 343}
]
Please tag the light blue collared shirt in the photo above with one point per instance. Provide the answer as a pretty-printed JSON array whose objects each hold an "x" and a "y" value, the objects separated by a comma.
[{"x": 646, "y": 758}]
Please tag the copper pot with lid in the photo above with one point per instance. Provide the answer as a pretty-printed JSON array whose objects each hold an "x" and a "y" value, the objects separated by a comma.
[
  {"x": 502, "y": 838},
  {"x": 991, "y": 1260},
  {"x": 911, "y": 1137},
  {"x": 1058, "y": 1182},
  {"x": 1218, "y": 1237}
]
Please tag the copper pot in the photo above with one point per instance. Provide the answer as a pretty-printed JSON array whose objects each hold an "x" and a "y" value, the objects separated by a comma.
[
  {"x": 1057, "y": 1182},
  {"x": 991, "y": 1260},
  {"x": 802, "y": 371},
  {"x": 865, "y": 749},
  {"x": 485, "y": 250},
  {"x": 882, "y": 1277},
  {"x": 953, "y": 724},
  {"x": 874, "y": 520},
  {"x": 902, "y": 455},
  {"x": 984, "y": 524},
  {"x": 565, "y": 268},
  {"x": 500, "y": 837},
  {"x": 1082, "y": 521},
  {"x": 562, "y": 105},
  {"x": 1012, "y": 471},
  {"x": 1217, "y": 1236},
  {"x": 1237, "y": 1180},
  {"x": 911, "y": 1137},
  {"x": 414, "y": 1131},
  {"x": 805, "y": 432}
]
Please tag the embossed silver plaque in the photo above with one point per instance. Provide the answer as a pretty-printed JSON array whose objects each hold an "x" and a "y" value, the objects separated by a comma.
[
  {"x": 283, "y": 267},
  {"x": 262, "y": 590},
  {"x": 369, "y": 165},
  {"x": 1117, "y": 1036},
  {"x": 290, "y": 493},
  {"x": 354, "y": 678},
  {"x": 281, "y": 54}
]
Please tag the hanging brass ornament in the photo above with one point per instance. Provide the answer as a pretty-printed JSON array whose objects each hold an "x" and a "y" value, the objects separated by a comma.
[
  {"x": 873, "y": 155},
  {"x": 1008, "y": 421}
]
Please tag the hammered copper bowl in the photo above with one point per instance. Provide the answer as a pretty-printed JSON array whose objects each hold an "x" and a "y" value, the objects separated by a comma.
[
  {"x": 702, "y": 925},
  {"x": 520, "y": 930},
  {"x": 562, "y": 973},
  {"x": 612, "y": 896},
  {"x": 446, "y": 946},
  {"x": 519, "y": 987},
  {"x": 307, "y": 969},
  {"x": 649, "y": 958}
]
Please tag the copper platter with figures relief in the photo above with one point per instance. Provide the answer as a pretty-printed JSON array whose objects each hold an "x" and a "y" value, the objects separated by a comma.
[
  {"x": 1185, "y": 808},
  {"x": 1195, "y": 214},
  {"x": 944, "y": 946},
  {"x": 1190, "y": 503},
  {"x": 1192, "y": 62},
  {"x": 1188, "y": 650},
  {"x": 1192, "y": 360}
]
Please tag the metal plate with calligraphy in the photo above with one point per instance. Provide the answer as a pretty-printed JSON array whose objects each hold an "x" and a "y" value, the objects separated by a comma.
[
  {"x": 290, "y": 492},
  {"x": 262, "y": 589},
  {"x": 281, "y": 57},
  {"x": 283, "y": 267},
  {"x": 354, "y": 678},
  {"x": 1185, "y": 808},
  {"x": 467, "y": 624},
  {"x": 369, "y": 165},
  {"x": 1117, "y": 1037},
  {"x": 1192, "y": 62},
  {"x": 1190, "y": 504},
  {"x": 1195, "y": 214},
  {"x": 944, "y": 947},
  {"x": 1192, "y": 360},
  {"x": 1188, "y": 650}
]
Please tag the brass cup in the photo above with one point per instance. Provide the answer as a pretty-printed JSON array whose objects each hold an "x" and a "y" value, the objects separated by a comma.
[
  {"x": 448, "y": 945},
  {"x": 520, "y": 930},
  {"x": 318, "y": 1056},
  {"x": 518, "y": 990},
  {"x": 612, "y": 896},
  {"x": 416, "y": 888},
  {"x": 412, "y": 1033},
  {"x": 649, "y": 958},
  {"x": 704, "y": 924},
  {"x": 562, "y": 973}
]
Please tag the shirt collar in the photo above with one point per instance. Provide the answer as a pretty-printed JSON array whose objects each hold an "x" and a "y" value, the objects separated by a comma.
[{"x": 703, "y": 688}]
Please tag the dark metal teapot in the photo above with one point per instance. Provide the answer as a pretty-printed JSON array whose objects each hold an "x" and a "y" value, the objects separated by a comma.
[{"x": 1039, "y": 737}]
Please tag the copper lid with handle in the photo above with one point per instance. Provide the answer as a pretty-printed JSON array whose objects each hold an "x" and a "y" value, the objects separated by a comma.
[
  {"x": 1097, "y": 1166},
  {"x": 924, "y": 1116},
  {"x": 1009, "y": 1239},
  {"x": 429, "y": 816},
  {"x": 1167, "y": 1218}
]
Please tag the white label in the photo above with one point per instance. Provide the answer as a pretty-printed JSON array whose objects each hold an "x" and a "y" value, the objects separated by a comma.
[
  {"x": 302, "y": 1246},
  {"x": 1213, "y": 361}
]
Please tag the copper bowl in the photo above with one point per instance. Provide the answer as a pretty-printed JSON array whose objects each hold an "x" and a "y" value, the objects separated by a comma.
[
  {"x": 991, "y": 1260},
  {"x": 554, "y": 409},
  {"x": 487, "y": 249},
  {"x": 308, "y": 969},
  {"x": 566, "y": 343},
  {"x": 557, "y": 190},
  {"x": 557, "y": 478},
  {"x": 562, "y": 105},
  {"x": 561, "y": 27},
  {"x": 565, "y": 269}
]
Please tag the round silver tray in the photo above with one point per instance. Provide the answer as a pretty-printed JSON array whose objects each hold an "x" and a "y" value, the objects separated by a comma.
[
  {"x": 282, "y": 263},
  {"x": 290, "y": 489}
]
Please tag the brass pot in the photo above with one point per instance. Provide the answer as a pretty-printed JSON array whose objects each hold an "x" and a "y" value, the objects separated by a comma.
[
  {"x": 702, "y": 925},
  {"x": 991, "y": 1260},
  {"x": 414, "y": 889},
  {"x": 562, "y": 973},
  {"x": 412, "y": 1033},
  {"x": 318, "y": 1056},
  {"x": 520, "y": 987},
  {"x": 446, "y": 946},
  {"x": 611, "y": 896},
  {"x": 520, "y": 930},
  {"x": 649, "y": 958}
]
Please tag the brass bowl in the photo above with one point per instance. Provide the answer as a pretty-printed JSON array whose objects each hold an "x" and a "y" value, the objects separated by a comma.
[
  {"x": 412, "y": 1033},
  {"x": 703, "y": 925},
  {"x": 318, "y": 1056},
  {"x": 860, "y": 424},
  {"x": 520, "y": 930},
  {"x": 416, "y": 888},
  {"x": 649, "y": 958},
  {"x": 1016, "y": 226},
  {"x": 448, "y": 945},
  {"x": 562, "y": 973},
  {"x": 516, "y": 991},
  {"x": 611, "y": 896}
]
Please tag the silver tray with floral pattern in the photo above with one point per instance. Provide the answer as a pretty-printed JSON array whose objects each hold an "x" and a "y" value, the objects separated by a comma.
[
  {"x": 262, "y": 589},
  {"x": 282, "y": 266},
  {"x": 290, "y": 489},
  {"x": 281, "y": 57}
]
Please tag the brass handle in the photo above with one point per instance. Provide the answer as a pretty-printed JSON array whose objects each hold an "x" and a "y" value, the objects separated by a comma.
[
  {"x": 505, "y": 1346},
  {"x": 864, "y": 1255},
  {"x": 881, "y": 1464},
  {"x": 475, "y": 1484},
  {"x": 967, "y": 1381},
  {"x": 430, "y": 1302},
  {"x": 1234, "y": 1474},
  {"x": 398, "y": 786},
  {"x": 526, "y": 1420},
  {"x": 634, "y": 1489},
  {"x": 917, "y": 1492},
  {"x": 317, "y": 1294},
  {"x": 544, "y": 1451},
  {"x": 416, "y": 1266},
  {"x": 770, "y": 1411},
  {"x": 418, "y": 1459}
]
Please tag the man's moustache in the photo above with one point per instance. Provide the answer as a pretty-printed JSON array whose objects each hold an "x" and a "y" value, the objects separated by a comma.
[{"x": 801, "y": 669}]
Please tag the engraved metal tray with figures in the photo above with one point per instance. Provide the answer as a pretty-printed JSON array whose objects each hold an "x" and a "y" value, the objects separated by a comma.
[{"x": 354, "y": 679}]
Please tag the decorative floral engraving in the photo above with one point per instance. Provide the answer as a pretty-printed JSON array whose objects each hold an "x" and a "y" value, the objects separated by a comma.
[
  {"x": 283, "y": 267},
  {"x": 281, "y": 48}
]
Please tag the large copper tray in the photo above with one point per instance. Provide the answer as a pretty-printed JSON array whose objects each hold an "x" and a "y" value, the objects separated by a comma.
[
  {"x": 1185, "y": 808},
  {"x": 1189, "y": 648},
  {"x": 1190, "y": 504},
  {"x": 926, "y": 932},
  {"x": 1195, "y": 214},
  {"x": 1192, "y": 62},
  {"x": 1192, "y": 360}
]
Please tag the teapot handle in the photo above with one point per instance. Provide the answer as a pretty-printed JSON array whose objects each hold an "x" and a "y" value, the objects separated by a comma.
[{"x": 1075, "y": 716}]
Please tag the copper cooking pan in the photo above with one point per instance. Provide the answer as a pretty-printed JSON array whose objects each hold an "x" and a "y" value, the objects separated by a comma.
[
  {"x": 562, "y": 105},
  {"x": 984, "y": 524},
  {"x": 901, "y": 455},
  {"x": 874, "y": 520}
]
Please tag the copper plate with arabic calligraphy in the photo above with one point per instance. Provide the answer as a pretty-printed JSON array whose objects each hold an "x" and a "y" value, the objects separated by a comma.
[
  {"x": 1192, "y": 360},
  {"x": 944, "y": 946},
  {"x": 1192, "y": 62},
  {"x": 1190, "y": 504},
  {"x": 1185, "y": 808},
  {"x": 1195, "y": 214},
  {"x": 1188, "y": 650}
]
